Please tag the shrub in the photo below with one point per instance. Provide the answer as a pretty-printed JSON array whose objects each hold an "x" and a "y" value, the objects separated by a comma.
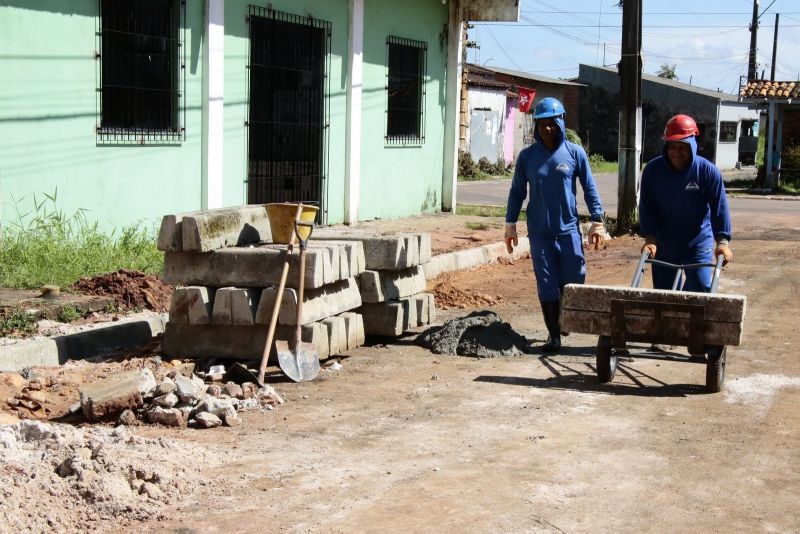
[
  {"x": 573, "y": 137},
  {"x": 466, "y": 166}
]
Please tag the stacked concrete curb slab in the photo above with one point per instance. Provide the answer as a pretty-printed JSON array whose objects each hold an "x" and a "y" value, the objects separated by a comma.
[{"x": 357, "y": 284}]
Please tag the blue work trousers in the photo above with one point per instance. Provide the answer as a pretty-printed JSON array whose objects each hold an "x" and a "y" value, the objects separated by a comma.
[
  {"x": 557, "y": 261},
  {"x": 698, "y": 280}
]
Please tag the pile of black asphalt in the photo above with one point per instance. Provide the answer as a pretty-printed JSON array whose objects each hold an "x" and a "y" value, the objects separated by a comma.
[{"x": 481, "y": 334}]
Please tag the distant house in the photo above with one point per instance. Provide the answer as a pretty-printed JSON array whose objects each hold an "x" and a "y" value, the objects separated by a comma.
[
  {"x": 728, "y": 131},
  {"x": 134, "y": 109},
  {"x": 493, "y": 126},
  {"x": 781, "y": 102}
]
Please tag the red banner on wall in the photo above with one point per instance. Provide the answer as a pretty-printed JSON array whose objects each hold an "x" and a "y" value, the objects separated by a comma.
[{"x": 526, "y": 98}]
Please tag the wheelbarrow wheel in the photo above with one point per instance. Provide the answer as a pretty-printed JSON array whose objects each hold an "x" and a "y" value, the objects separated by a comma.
[
  {"x": 605, "y": 360},
  {"x": 715, "y": 369}
]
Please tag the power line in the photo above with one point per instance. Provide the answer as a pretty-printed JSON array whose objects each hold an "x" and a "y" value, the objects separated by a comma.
[{"x": 503, "y": 50}]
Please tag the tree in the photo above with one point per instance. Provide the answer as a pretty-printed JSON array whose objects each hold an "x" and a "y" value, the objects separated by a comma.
[{"x": 667, "y": 71}]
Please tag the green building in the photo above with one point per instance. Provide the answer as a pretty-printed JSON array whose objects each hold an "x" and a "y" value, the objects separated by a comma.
[{"x": 133, "y": 109}]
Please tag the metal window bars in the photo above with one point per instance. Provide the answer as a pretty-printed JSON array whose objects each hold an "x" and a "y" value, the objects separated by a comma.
[
  {"x": 405, "y": 90},
  {"x": 288, "y": 108},
  {"x": 141, "y": 72}
]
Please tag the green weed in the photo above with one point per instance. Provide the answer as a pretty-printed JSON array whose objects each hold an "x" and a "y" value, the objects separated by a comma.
[
  {"x": 69, "y": 313},
  {"x": 477, "y": 226},
  {"x": 17, "y": 321},
  {"x": 44, "y": 246}
]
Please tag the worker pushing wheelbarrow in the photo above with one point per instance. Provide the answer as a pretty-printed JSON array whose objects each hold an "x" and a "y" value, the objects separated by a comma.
[{"x": 684, "y": 217}]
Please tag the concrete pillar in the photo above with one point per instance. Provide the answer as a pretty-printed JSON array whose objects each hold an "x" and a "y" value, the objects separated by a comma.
[
  {"x": 355, "y": 81},
  {"x": 213, "y": 83},
  {"x": 770, "y": 178},
  {"x": 452, "y": 99}
]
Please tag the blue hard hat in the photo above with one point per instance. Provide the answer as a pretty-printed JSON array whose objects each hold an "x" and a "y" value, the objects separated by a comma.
[{"x": 547, "y": 108}]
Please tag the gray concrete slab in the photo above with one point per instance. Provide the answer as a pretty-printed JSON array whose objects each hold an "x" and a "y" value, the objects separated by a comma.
[
  {"x": 207, "y": 230},
  {"x": 381, "y": 286},
  {"x": 242, "y": 267},
  {"x": 128, "y": 332}
]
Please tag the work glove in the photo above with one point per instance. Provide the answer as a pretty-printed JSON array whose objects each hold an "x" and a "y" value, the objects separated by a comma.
[
  {"x": 725, "y": 250},
  {"x": 598, "y": 235},
  {"x": 511, "y": 237},
  {"x": 650, "y": 247}
]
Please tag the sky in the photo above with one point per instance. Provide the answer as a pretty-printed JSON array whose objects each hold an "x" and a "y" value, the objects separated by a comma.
[{"x": 708, "y": 41}]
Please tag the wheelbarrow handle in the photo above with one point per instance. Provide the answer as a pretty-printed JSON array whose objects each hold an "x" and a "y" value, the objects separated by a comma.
[{"x": 645, "y": 258}]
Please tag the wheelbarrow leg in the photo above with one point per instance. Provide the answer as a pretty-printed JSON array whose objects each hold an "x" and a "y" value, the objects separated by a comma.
[
  {"x": 605, "y": 360},
  {"x": 715, "y": 368}
]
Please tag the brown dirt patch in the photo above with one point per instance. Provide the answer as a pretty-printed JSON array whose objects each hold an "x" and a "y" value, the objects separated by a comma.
[{"x": 129, "y": 289}]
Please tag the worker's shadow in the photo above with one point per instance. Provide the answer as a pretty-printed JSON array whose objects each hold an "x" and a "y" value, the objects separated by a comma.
[{"x": 571, "y": 373}]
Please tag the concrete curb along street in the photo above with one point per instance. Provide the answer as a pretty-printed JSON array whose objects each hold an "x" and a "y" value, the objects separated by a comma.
[
  {"x": 56, "y": 350},
  {"x": 130, "y": 332},
  {"x": 473, "y": 257}
]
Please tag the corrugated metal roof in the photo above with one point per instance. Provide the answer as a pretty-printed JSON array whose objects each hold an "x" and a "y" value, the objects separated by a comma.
[
  {"x": 770, "y": 89},
  {"x": 530, "y": 76},
  {"x": 676, "y": 84}
]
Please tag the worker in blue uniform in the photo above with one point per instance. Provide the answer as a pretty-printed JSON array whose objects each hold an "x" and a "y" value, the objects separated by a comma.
[
  {"x": 546, "y": 172},
  {"x": 683, "y": 209}
]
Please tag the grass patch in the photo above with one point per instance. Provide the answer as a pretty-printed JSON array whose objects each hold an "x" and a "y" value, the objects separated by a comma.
[
  {"x": 480, "y": 176},
  {"x": 477, "y": 226},
  {"x": 610, "y": 167},
  {"x": 486, "y": 211},
  {"x": 18, "y": 322},
  {"x": 45, "y": 246},
  {"x": 69, "y": 313}
]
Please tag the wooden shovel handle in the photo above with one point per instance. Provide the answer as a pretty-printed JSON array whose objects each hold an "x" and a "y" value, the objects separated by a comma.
[{"x": 278, "y": 298}]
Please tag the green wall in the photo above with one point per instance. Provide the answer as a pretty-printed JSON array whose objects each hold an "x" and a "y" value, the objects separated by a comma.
[
  {"x": 397, "y": 181},
  {"x": 48, "y": 115}
]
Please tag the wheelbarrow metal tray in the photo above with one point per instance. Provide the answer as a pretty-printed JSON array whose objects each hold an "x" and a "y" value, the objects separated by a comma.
[{"x": 654, "y": 315}]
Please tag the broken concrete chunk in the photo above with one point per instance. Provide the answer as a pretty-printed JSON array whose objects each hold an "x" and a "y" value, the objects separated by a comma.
[
  {"x": 166, "y": 416},
  {"x": 207, "y": 420},
  {"x": 166, "y": 401},
  {"x": 109, "y": 397},
  {"x": 188, "y": 390}
]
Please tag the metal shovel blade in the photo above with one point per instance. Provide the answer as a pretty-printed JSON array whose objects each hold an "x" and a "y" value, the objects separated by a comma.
[{"x": 300, "y": 364}]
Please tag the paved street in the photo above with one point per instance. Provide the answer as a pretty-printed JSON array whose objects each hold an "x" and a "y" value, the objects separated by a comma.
[{"x": 495, "y": 193}]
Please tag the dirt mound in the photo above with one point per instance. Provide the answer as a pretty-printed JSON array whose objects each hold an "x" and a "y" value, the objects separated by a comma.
[
  {"x": 129, "y": 289},
  {"x": 481, "y": 334},
  {"x": 448, "y": 296}
]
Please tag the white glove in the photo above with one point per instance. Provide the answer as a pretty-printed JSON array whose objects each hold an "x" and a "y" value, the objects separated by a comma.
[
  {"x": 511, "y": 237},
  {"x": 598, "y": 235}
]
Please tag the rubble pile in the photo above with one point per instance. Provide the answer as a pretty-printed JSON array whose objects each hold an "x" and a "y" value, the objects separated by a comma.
[
  {"x": 100, "y": 478},
  {"x": 176, "y": 400}
]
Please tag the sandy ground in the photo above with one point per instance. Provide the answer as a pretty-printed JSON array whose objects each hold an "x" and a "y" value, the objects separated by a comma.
[{"x": 402, "y": 440}]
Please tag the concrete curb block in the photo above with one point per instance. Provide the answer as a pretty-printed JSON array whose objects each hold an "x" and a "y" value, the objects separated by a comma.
[
  {"x": 473, "y": 257},
  {"x": 58, "y": 349}
]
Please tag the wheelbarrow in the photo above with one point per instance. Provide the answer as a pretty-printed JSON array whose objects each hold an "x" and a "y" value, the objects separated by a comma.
[{"x": 704, "y": 323}]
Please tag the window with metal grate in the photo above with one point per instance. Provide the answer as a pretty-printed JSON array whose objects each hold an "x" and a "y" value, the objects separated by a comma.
[
  {"x": 141, "y": 71},
  {"x": 405, "y": 90}
]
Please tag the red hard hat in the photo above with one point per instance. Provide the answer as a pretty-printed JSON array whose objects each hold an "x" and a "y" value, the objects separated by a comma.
[{"x": 680, "y": 127}]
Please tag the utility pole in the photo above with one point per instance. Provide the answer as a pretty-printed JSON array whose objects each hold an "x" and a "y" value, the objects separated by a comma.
[
  {"x": 774, "y": 47},
  {"x": 751, "y": 65},
  {"x": 630, "y": 115}
]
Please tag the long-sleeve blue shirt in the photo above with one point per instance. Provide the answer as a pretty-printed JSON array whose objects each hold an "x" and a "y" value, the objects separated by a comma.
[
  {"x": 684, "y": 210},
  {"x": 550, "y": 178}
]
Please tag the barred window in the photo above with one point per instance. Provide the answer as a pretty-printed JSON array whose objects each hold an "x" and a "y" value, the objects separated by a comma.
[
  {"x": 142, "y": 71},
  {"x": 405, "y": 90},
  {"x": 727, "y": 132}
]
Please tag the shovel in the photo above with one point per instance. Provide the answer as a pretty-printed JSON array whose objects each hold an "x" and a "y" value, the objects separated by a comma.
[
  {"x": 278, "y": 298},
  {"x": 298, "y": 360}
]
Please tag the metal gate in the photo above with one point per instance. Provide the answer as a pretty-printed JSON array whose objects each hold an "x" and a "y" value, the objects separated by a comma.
[{"x": 288, "y": 108}]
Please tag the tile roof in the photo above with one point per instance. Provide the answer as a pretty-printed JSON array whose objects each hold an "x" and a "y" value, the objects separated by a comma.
[{"x": 770, "y": 89}]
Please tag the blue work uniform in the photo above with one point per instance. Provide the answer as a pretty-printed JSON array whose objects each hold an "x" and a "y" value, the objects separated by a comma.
[
  {"x": 549, "y": 179},
  {"x": 687, "y": 212}
]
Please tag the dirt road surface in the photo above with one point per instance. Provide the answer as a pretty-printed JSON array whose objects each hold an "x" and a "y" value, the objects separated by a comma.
[{"x": 403, "y": 440}]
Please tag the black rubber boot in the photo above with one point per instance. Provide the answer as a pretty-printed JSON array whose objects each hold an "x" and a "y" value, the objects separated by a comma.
[{"x": 552, "y": 319}]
